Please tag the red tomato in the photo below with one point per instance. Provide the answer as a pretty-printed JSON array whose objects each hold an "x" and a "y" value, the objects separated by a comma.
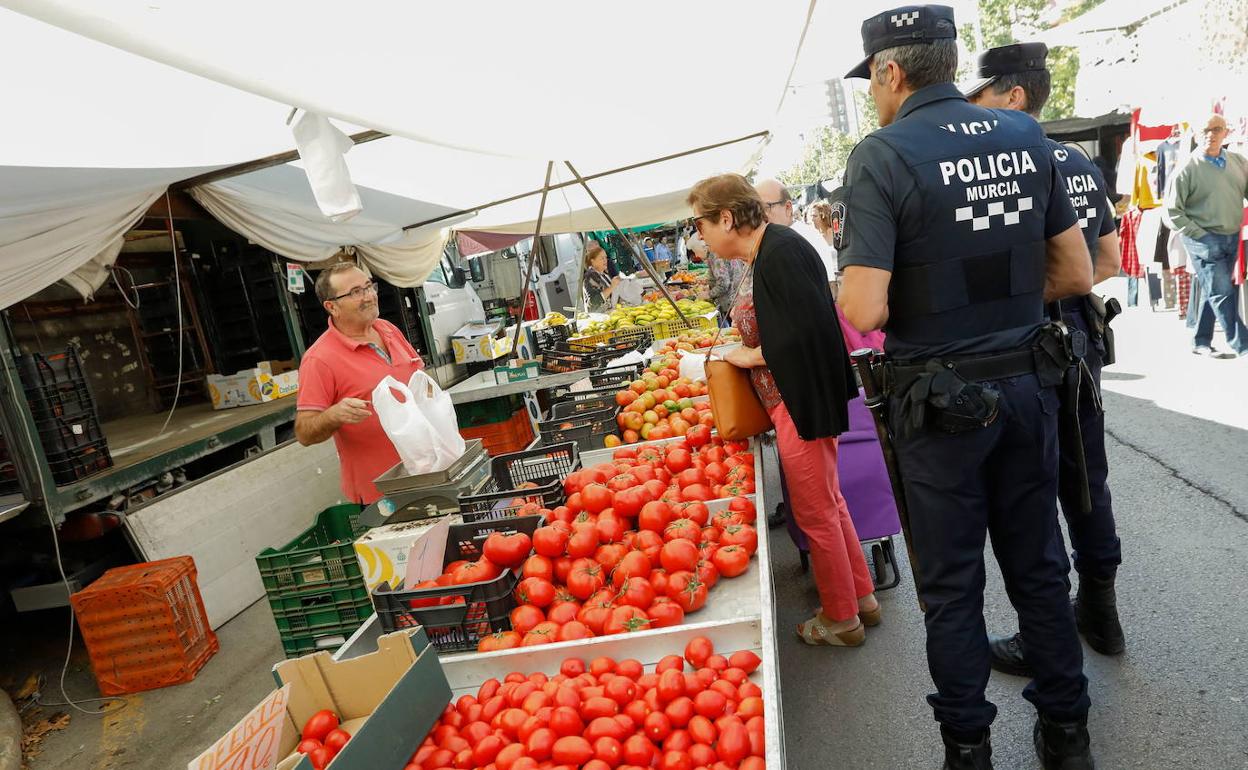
[
  {"x": 702, "y": 755},
  {"x": 634, "y": 564},
  {"x": 682, "y": 528},
  {"x": 475, "y": 572},
  {"x": 596, "y": 498},
  {"x": 665, "y": 613},
  {"x": 536, "y": 591},
  {"x": 538, "y": 566},
  {"x": 697, "y": 511},
  {"x": 573, "y": 750},
  {"x": 585, "y": 578},
  {"x": 734, "y": 741},
  {"x": 690, "y": 477},
  {"x": 702, "y": 730},
  {"x": 621, "y": 689},
  {"x": 319, "y": 725},
  {"x": 550, "y": 541},
  {"x": 573, "y": 630},
  {"x": 676, "y": 760},
  {"x": 610, "y": 529},
  {"x": 678, "y": 460},
  {"x": 563, "y": 568},
  {"x": 687, "y": 591},
  {"x": 563, "y": 612},
  {"x": 595, "y": 616},
  {"x": 698, "y": 650},
  {"x": 745, "y": 660},
  {"x": 506, "y": 759},
  {"x": 649, "y": 542},
  {"x": 638, "y": 750},
  {"x": 336, "y": 739},
  {"x": 542, "y": 633},
  {"x": 507, "y": 549},
  {"x": 680, "y": 710},
  {"x": 673, "y": 662},
  {"x": 610, "y": 555},
  {"x": 744, "y": 506},
  {"x": 628, "y": 503},
  {"x": 741, "y": 534},
  {"x": 603, "y": 727},
  {"x": 731, "y": 560},
  {"x": 636, "y": 592},
  {"x": 678, "y": 553},
  {"x": 654, "y": 516},
  {"x": 671, "y": 686},
  {"x": 524, "y": 619},
  {"x": 707, "y": 572},
  {"x": 627, "y": 619},
  {"x": 320, "y": 758},
  {"x": 622, "y": 481},
  {"x": 699, "y": 492},
  {"x": 657, "y": 726},
  {"x": 566, "y": 721},
  {"x": 308, "y": 745},
  {"x": 608, "y": 750},
  {"x": 710, "y": 704},
  {"x": 659, "y": 578}
]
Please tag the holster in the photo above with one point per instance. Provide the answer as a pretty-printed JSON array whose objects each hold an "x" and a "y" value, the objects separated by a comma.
[
  {"x": 1056, "y": 351},
  {"x": 1104, "y": 311},
  {"x": 942, "y": 399}
]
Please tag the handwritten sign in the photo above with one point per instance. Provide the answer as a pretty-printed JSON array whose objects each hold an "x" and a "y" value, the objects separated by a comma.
[{"x": 255, "y": 743}]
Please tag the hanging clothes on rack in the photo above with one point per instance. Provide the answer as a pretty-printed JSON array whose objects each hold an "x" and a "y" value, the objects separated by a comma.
[{"x": 1127, "y": 233}]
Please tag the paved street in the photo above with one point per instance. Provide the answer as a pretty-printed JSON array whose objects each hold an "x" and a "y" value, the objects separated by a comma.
[
  {"x": 1178, "y": 442},
  {"x": 1177, "y": 698}
]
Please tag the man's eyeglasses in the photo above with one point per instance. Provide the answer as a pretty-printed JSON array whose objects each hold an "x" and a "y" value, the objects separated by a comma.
[
  {"x": 358, "y": 292},
  {"x": 767, "y": 206}
]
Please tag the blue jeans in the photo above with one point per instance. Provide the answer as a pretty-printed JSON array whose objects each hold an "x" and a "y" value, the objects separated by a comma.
[{"x": 1213, "y": 260}]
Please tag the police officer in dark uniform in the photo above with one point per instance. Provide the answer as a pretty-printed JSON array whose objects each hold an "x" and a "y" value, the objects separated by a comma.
[
  {"x": 955, "y": 230},
  {"x": 1015, "y": 77}
]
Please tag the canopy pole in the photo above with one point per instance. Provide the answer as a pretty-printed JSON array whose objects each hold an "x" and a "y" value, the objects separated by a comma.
[
  {"x": 533, "y": 254},
  {"x": 590, "y": 178},
  {"x": 260, "y": 164},
  {"x": 632, "y": 243}
]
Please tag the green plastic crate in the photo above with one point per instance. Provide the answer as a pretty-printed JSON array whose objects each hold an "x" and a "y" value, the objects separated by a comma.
[
  {"x": 314, "y": 612},
  {"x": 323, "y": 556},
  {"x": 329, "y": 639},
  {"x": 487, "y": 412}
]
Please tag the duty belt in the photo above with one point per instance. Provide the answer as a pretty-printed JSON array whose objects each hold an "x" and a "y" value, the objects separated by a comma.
[{"x": 995, "y": 366}]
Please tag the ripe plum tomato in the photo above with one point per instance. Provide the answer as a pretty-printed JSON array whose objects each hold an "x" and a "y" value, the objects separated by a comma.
[
  {"x": 698, "y": 650},
  {"x": 319, "y": 725}
]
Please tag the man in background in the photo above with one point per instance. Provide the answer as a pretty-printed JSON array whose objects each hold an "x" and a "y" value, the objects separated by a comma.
[
  {"x": 1206, "y": 205},
  {"x": 779, "y": 207}
]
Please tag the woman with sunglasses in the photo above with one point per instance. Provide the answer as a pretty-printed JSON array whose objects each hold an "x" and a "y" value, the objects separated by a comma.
[{"x": 801, "y": 373}]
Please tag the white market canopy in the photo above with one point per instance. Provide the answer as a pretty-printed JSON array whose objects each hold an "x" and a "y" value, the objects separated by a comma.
[{"x": 119, "y": 98}]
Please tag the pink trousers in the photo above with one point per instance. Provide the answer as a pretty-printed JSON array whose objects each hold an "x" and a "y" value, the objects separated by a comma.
[{"x": 840, "y": 570}]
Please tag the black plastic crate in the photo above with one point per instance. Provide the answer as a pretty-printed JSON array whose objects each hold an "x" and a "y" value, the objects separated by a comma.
[
  {"x": 588, "y": 429},
  {"x": 616, "y": 377},
  {"x": 572, "y": 402},
  {"x": 500, "y": 496},
  {"x": 40, "y": 370},
  {"x": 79, "y": 463},
  {"x": 636, "y": 338},
  {"x": 64, "y": 400},
  {"x": 557, "y": 361},
  {"x": 479, "y": 609},
  {"x": 64, "y": 435},
  {"x": 551, "y": 336}
]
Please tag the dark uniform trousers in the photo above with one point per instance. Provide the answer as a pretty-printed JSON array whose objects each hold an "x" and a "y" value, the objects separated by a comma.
[
  {"x": 1000, "y": 481},
  {"x": 1093, "y": 537}
]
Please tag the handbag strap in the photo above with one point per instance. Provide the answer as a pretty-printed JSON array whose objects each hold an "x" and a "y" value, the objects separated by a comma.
[{"x": 740, "y": 285}]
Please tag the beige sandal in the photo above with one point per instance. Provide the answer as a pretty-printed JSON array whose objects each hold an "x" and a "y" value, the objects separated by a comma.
[
  {"x": 871, "y": 617},
  {"x": 815, "y": 632}
]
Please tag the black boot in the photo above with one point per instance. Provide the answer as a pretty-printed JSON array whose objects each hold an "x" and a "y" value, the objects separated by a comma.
[
  {"x": 1063, "y": 745},
  {"x": 966, "y": 756},
  {"x": 1096, "y": 615},
  {"x": 1008, "y": 657}
]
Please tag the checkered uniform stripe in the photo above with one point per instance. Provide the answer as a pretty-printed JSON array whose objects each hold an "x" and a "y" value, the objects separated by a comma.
[
  {"x": 1087, "y": 219},
  {"x": 982, "y": 221},
  {"x": 904, "y": 19}
]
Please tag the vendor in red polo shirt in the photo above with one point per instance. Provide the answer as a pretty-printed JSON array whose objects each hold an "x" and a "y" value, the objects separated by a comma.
[{"x": 339, "y": 372}]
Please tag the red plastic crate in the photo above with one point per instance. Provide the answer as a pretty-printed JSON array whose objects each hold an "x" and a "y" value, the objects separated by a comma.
[
  {"x": 145, "y": 626},
  {"x": 510, "y": 435}
]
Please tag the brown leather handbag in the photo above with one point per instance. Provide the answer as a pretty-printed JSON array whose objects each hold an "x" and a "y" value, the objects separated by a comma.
[{"x": 739, "y": 414}]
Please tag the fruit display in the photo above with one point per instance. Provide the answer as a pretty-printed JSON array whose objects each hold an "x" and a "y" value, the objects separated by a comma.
[
  {"x": 698, "y": 339},
  {"x": 699, "y": 710},
  {"x": 660, "y": 404},
  {"x": 322, "y": 738},
  {"x": 634, "y": 547},
  {"x": 552, "y": 319},
  {"x": 684, "y": 276},
  {"x": 625, "y": 317}
]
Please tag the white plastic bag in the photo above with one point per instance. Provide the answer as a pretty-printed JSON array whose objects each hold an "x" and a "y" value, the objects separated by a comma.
[
  {"x": 693, "y": 366},
  {"x": 416, "y": 422},
  {"x": 440, "y": 411}
]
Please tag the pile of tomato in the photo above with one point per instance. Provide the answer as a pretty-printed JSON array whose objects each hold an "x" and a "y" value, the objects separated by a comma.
[
  {"x": 322, "y": 739},
  {"x": 634, "y": 547},
  {"x": 699, "y": 711}
]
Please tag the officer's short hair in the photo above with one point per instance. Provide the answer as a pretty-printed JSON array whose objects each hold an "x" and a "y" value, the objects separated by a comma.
[
  {"x": 1035, "y": 84},
  {"x": 925, "y": 65},
  {"x": 732, "y": 192},
  {"x": 324, "y": 290}
]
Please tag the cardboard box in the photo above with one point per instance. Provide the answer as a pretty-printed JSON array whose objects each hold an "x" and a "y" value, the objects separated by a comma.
[
  {"x": 270, "y": 380},
  {"x": 384, "y": 552},
  {"x": 388, "y": 700},
  {"x": 475, "y": 342},
  {"x": 519, "y": 369}
]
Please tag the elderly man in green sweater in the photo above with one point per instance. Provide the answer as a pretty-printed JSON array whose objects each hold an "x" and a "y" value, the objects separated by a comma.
[{"x": 1206, "y": 205}]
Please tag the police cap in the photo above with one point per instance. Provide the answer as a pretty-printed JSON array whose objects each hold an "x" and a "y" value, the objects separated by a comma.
[
  {"x": 907, "y": 25},
  {"x": 1006, "y": 60}
]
